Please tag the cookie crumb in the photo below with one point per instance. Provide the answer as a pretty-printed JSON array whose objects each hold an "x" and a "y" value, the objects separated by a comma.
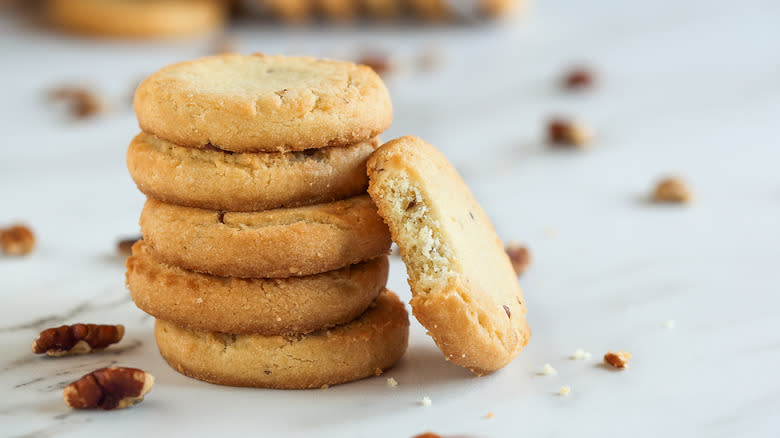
[
  {"x": 580, "y": 354},
  {"x": 325, "y": 386},
  {"x": 565, "y": 390},
  {"x": 489, "y": 415},
  {"x": 669, "y": 324},
  {"x": 426, "y": 402},
  {"x": 562, "y": 132},
  {"x": 17, "y": 240},
  {"x": 578, "y": 78},
  {"x": 672, "y": 190},
  {"x": 618, "y": 359},
  {"x": 548, "y": 370},
  {"x": 519, "y": 256},
  {"x": 391, "y": 382}
]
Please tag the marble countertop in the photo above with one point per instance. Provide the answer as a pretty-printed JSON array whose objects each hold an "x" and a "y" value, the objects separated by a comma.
[{"x": 687, "y": 87}]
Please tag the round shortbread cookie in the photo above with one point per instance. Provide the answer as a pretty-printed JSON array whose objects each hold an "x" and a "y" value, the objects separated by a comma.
[
  {"x": 364, "y": 347},
  {"x": 465, "y": 291},
  {"x": 277, "y": 243},
  {"x": 273, "y": 306},
  {"x": 255, "y": 103},
  {"x": 135, "y": 18},
  {"x": 256, "y": 181}
]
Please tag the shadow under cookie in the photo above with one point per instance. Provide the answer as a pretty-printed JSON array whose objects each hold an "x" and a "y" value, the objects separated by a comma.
[{"x": 255, "y": 305}]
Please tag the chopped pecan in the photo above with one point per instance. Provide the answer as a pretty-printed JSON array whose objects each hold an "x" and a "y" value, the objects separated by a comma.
[
  {"x": 427, "y": 435},
  {"x": 618, "y": 359},
  {"x": 125, "y": 246},
  {"x": 77, "y": 339},
  {"x": 578, "y": 78},
  {"x": 108, "y": 388},
  {"x": 519, "y": 256},
  {"x": 380, "y": 64},
  {"x": 561, "y": 132},
  {"x": 17, "y": 240},
  {"x": 672, "y": 189},
  {"x": 83, "y": 103}
]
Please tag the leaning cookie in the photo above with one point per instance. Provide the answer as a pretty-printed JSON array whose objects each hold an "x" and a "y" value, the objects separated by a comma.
[
  {"x": 362, "y": 348},
  {"x": 263, "y": 103},
  {"x": 465, "y": 291},
  {"x": 253, "y": 305},
  {"x": 269, "y": 244},
  {"x": 219, "y": 180},
  {"x": 137, "y": 19}
]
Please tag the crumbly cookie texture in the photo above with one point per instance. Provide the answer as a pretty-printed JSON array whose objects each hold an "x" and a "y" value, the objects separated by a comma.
[
  {"x": 279, "y": 243},
  {"x": 465, "y": 291},
  {"x": 364, "y": 347},
  {"x": 254, "y": 103},
  {"x": 137, "y": 19},
  {"x": 213, "y": 179},
  {"x": 253, "y": 305}
]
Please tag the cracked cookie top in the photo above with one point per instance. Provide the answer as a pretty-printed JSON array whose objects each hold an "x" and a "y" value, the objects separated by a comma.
[{"x": 254, "y": 103}]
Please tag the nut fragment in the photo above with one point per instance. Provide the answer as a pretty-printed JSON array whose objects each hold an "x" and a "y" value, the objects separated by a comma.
[
  {"x": 124, "y": 247},
  {"x": 427, "y": 435},
  {"x": 673, "y": 190},
  {"x": 82, "y": 102},
  {"x": 519, "y": 256},
  {"x": 77, "y": 339},
  {"x": 578, "y": 78},
  {"x": 562, "y": 132},
  {"x": 108, "y": 388},
  {"x": 618, "y": 359},
  {"x": 565, "y": 390},
  {"x": 17, "y": 240},
  {"x": 379, "y": 63}
]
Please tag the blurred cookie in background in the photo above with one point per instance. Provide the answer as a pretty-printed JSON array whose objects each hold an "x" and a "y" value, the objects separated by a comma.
[
  {"x": 137, "y": 18},
  {"x": 296, "y": 11}
]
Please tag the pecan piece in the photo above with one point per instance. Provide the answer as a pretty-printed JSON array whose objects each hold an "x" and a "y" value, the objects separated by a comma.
[
  {"x": 578, "y": 78},
  {"x": 427, "y": 435},
  {"x": 519, "y": 256},
  {"x": 77, "y": 339},
  {"x": 17, "y": 240},
  {"x": 561, "y": 132},
  {"x": 618, "y": 359},
  {"x": 674, "y": 190},
  {"x": 125, "y": 246},
  {"x": 379, "y": 63},
  {"x": 108, "y": 388},
  {"x": 82, "y": 102}
]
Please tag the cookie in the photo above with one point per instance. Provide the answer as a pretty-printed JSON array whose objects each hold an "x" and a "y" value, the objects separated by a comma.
[
  {"x": 270, "y": 244},
  {"x": 464, "y": 289},
  {"x": 337, "y": 10},
  {"x": 439, "y": 10},
  {"x": 250, "y": 181},
  {"x": 261, "y": 103},
  {"x": 254, "y": 305},
  {"x": 365, "y": 347},
  {"x": 137, "y": 19},
  {"x": 382, "y": 9},
  {"x": 294, "y": 11}
]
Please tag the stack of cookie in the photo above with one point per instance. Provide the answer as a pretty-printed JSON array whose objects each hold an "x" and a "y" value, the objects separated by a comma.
[{"x": 263, "y": 259}]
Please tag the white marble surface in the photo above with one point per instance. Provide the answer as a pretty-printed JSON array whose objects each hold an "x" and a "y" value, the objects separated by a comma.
[{"x": 685, "y": 86}]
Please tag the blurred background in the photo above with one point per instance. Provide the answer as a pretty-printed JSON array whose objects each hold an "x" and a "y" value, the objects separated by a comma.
[{"x": 643, "y": 90}]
